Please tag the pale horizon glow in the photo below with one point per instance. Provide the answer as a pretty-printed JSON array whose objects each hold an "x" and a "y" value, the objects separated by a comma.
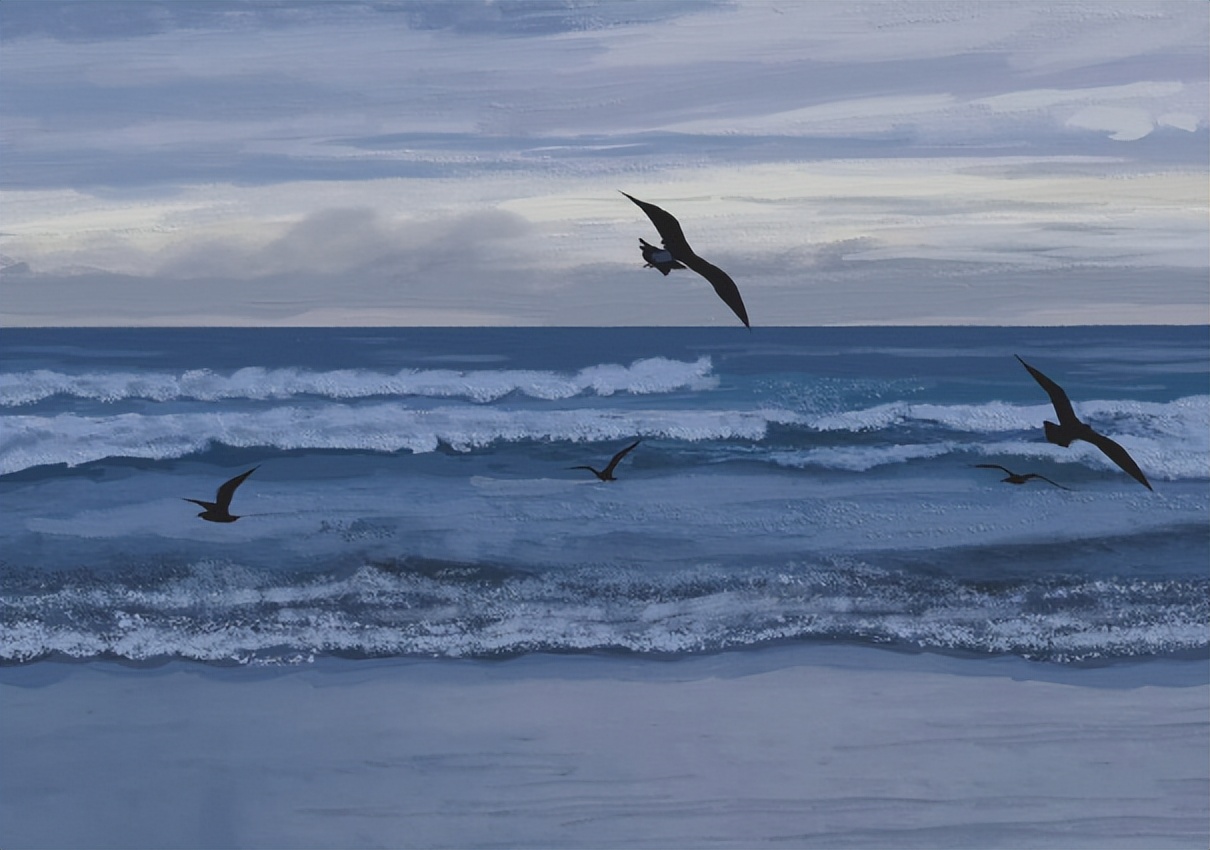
[{"x": 428, "y": 164}]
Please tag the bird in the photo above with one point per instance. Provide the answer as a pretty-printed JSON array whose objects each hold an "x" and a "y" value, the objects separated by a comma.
[
  {"x": 1014, "y": 478},
  {"x": 677, "y": 254},
  {"x": 1070, "y": 428},
  {"x": 220, "y": 509},
  {"x": 606, "y": 474}
]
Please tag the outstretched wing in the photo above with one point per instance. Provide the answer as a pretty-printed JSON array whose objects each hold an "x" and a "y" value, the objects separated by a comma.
[
  {"x": 722, "y": 283},
  {"x": 1058, "y": 398},
  {"x": 227, "y": 490},
  {"x": 1030, "y": 475},
  {"x": 994, "y": 466},
  {"x": 668, "y": 227},
  {"x": 207, "y": 505},
  {"x": 1118, "y": 455},
  {"x": 614, "y": 462}
]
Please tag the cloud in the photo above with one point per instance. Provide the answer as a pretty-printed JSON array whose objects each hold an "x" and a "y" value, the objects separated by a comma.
[
  {"x": 1122, "y": 123},
  {"x": 281, "y": 162},
  {"x": 334, "y": 242}
]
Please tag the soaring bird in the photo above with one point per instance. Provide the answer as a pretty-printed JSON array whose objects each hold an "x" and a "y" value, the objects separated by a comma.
[
  {"x": 1070, "y": 428},
  {"x": 678, "y": 255},
  {"x": 220, "y": 509},
  {"x": 1014, "y": 478},
  {"x": 606, "y": 474}
]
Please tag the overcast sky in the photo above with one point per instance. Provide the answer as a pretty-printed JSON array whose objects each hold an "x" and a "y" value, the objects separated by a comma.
[{"x": 458, "y": 163}]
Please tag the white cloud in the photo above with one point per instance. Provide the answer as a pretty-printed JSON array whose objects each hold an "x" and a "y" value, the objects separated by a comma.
[{"x": 1121, "y": 122}]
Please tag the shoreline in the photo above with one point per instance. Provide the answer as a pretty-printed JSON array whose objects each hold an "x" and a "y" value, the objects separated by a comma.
[
  {"x": 1185, "y": 669},
  {"x": 795, "y": 746}
]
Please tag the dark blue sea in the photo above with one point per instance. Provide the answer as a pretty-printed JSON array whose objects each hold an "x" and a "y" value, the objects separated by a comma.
[{"x": 413, "y": 496}]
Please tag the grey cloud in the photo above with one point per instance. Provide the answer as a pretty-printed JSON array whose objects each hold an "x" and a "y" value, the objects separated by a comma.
[
  {"x": 99, "y": 21},
  {"x": 330, "y": 80},
  {"x": 351, "y": 242}
]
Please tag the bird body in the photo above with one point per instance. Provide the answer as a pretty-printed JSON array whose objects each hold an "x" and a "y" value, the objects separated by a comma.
[
  {"x": 606, "y": 474},
  {"x": 1070, "y": 428},
  {"x": 658, "y": 258},
  {"x": 220, "y": 509},
  {"x": 678, "y": 255}
]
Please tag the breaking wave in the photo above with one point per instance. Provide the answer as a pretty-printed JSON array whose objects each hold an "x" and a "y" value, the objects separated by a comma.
[
  {"x": 643, "y": 377},
  {"x": 224, "y": 613}
]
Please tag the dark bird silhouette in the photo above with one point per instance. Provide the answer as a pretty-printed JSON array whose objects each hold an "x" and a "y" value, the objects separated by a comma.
[
  {"x": 1070, "y": 428},
  {"x": 220, "y": 509},
  {"x": 1014, "y": 478},
  {"x": 657, "y": 258},
  {"x": 606, "y": 474},
  {"x": 678, "y": 255}
]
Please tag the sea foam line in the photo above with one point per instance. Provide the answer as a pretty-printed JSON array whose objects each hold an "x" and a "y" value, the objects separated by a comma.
[
  {"x": 230, "y": 615},
  {"x": 27, "y": 441},
  {"x": 642, "y": 377}
]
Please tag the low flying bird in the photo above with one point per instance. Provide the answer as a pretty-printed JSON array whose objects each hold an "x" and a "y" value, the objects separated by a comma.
[
  {"x": 1070, "y": 428},
  {"x": 606, "y": 474},
  {"x": 220, "y": 509},
  {"x": 1014, "y": 478},
  {"x": 677, "y": 254}
]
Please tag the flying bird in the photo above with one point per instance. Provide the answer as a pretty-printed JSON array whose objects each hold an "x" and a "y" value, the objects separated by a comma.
[
  {"x": 677, "y": 254},
  {"x": 1070, "y": 428},
  {"x": 1014, "y": 478},
  {"x": 606, "y": 474},
  {"x": 220, "y": 509}
]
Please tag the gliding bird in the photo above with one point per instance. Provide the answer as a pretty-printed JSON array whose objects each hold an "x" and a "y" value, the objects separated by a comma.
[
  {"x": 1014, "y": 478},
  {"x": 606, "y": 474},
  {"x": 220, "y": 509},
  {"x": 677, "y": 254},
  {"x": 1070, "y": 428}
]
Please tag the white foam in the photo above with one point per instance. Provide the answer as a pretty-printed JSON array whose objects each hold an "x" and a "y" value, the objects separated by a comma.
[
  {"x": 642, "y": 377},
  {"x": 1186, "y": 418},
  {"x": 67, "y": 438},
  {"x": 218, "y": 612},
  {"x": 860, "y": 458}
]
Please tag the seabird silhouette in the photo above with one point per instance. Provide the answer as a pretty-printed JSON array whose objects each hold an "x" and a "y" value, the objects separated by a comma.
[
  {"x": 219, "y": 509},
  {"x": 1070, "y": 428},
  {"x": 606, "y": 474},
  {"x": 1014, "y": 478},
  {"x": 678, "y": 255}
]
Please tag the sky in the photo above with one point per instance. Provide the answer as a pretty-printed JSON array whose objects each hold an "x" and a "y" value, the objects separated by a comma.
[{"x": 459, "y": 163}]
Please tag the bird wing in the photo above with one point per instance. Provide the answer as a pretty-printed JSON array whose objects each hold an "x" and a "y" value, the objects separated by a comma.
[
  {"x": 1118, "y": 455},
  {"x": 227, "y": 490},
  {"x": 614, "y": 461},
  {"x": 668, "y": 227},
  {"x": 1058, "y": 398},
  {"x": 1044, "y": 478},
  {"x": 722, "y": 283},
  {"x": 994, "y": 466},
  {"x": 207, "y": 505}
]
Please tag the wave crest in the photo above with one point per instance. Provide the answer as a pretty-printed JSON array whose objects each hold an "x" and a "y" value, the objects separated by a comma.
[{"x": 253, "y": 383}]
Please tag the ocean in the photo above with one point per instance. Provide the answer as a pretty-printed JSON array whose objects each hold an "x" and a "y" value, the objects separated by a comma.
[{"x": 413, "y": 495}]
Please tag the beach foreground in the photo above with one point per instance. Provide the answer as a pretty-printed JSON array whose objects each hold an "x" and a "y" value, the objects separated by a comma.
[{"x": 786, "y": 747}]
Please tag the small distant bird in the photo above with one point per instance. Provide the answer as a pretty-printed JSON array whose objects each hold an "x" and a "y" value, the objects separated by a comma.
[
  {"x": 220, "y": 509},
  {"x": 1070, "y": 428},
  {"x": 677, "y": 254},
  {"x": 1014, "y": 478},
  {"x": 606, "y": 474}
]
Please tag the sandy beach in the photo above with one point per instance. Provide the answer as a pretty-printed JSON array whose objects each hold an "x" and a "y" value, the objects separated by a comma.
[{"x": 785, "y": 747}]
